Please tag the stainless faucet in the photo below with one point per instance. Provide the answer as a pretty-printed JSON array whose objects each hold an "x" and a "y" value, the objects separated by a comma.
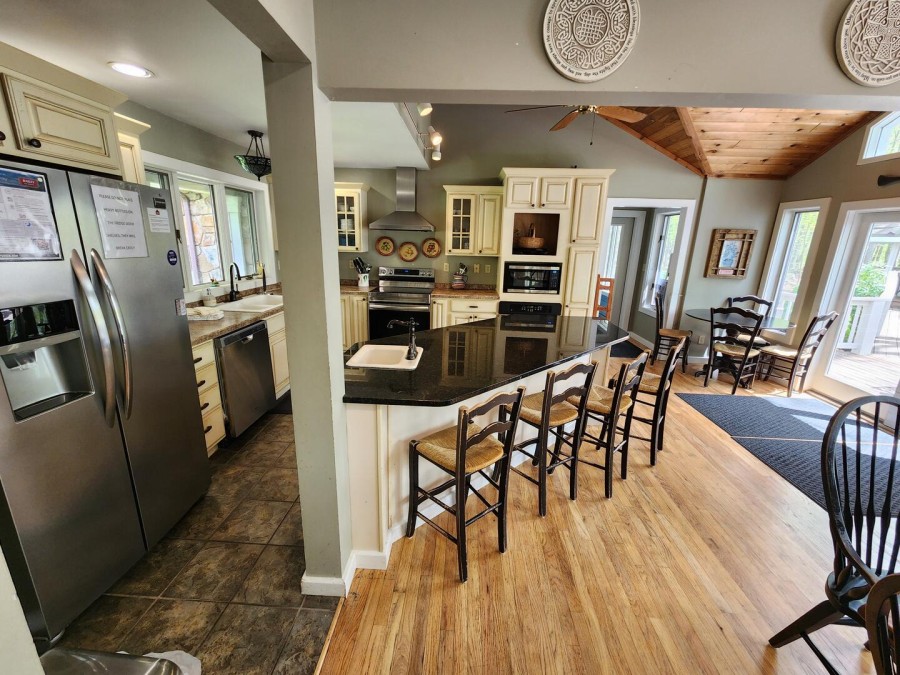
[
  {"x": 412, "y": 352},
  {"x": 232, "y": 296}
]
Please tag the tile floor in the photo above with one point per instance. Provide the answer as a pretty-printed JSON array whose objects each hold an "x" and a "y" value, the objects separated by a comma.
[{"x": 225, "y": 584}]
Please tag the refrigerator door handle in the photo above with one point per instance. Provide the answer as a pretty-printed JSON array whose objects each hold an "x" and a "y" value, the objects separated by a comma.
[
  {"x": 93, "y": 303},
  {"x": 119, "y": 319}
]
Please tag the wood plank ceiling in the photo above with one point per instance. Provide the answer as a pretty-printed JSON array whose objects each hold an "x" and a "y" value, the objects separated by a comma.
[{"x": 744, "y": 142}]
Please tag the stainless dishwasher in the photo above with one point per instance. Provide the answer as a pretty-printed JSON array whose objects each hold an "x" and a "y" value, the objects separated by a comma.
[{"x": 245, "y": 370}]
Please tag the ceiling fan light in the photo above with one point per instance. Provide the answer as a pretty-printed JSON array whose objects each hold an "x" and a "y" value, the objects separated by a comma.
[{"x": 424, "y": 109}]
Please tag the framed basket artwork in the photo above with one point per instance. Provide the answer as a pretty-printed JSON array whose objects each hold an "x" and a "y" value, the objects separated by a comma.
[{"x": 729, "y": 253}]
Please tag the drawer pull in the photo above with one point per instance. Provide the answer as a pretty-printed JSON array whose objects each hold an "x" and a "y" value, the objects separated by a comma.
[
  {"x": 204, "y": 406},
  {"x": 34, "y": 143},
  {"x": 473, "y": 306},
  {"x": 198, "y": 360},
  {"x": 201, "y": 383},
  {"x": 207, "y": 430}
]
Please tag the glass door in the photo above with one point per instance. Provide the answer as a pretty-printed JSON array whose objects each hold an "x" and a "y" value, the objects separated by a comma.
[
  {"x": 346, "y": 221},
  {"x": 862, "y": 355}
]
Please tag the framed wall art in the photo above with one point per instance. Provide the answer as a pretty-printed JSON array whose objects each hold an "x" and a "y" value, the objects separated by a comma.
[{"x": 729, "y": 253}]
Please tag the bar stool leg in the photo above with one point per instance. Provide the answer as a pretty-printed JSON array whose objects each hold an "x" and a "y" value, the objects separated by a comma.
[
  {"x": 577, "y": 436},
  {"x": 501, "y": 512},
  {"x": 654, "y": 435},
  {"x": 557, "y": 446},
  {"x": 541, "y": 454},
  {"x": 684, "y": 354},
  {"x": 462, "y": 491},
  {"x": 413, "y": 490}
]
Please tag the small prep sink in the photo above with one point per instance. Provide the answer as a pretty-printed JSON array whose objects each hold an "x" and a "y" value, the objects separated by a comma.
[
  {"x": 388, "y": 357},
  {"x": 253, "y": 303}
]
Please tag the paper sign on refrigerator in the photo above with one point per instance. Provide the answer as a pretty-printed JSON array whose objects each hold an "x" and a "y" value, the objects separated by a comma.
[{"x": 121, "y": 223}]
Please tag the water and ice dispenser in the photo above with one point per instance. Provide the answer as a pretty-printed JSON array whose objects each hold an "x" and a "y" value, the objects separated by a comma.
[{"x": 42, "y": 357}]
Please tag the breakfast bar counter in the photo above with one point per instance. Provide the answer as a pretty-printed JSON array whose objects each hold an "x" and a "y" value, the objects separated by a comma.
[{"x": 460, "y": 366}]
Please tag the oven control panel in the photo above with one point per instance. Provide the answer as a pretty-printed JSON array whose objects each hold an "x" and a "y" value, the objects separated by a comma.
[{"x": 551, "y": 308}]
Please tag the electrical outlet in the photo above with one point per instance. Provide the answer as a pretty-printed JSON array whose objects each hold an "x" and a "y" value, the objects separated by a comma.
[
  {"x": 350, "y": 265},
  {"x": 701, "y": 339},
  {"x": 477, "y": 268},
  {"x": 487, "y": 269},
  {"x": 446, "y": 267}
]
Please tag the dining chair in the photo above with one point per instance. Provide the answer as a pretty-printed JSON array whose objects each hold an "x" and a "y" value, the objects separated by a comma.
[
  {"x": 653, "y": 392},
  {"x": 731, "y": 343},
  {"x": 607, "y": 406},
  {"x": 757, "y": 304},
  {"x": 790, "y": 363},
  {"x": 666, "y": 338},
  {"x": 862, "y": 496},
  {"x": 883, "y": 624},
  {"x": 464, "y": 451},
  {"x": 549, "y": 412}
]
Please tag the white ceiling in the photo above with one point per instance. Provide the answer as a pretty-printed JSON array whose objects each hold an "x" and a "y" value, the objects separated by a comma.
[{"x": 208, "y": 73}]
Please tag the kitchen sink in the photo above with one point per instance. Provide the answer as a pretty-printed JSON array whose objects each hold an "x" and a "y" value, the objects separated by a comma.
[
  {"x": 253, "y": 303},
  {"x": 388, "y": 357}
]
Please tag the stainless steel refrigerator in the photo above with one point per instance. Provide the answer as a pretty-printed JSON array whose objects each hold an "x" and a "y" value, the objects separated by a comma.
[{"x": 101, "y": 441}]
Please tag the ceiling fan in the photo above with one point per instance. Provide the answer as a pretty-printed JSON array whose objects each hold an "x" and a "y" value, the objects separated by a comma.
[{"x": 612, "y": 111}]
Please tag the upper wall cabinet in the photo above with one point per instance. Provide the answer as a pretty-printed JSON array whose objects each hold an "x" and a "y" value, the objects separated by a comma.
[
  {"x": 534, "y": 192},
  {"x": 129, "y": 134},
  {"x": 351, "y": 206},
  {"x": 54, "y": 125},
  {"x": 590, "y": 200},
  {"x": 473, "y": 219}
]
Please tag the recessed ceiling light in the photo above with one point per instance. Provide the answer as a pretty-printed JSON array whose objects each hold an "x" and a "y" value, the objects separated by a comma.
[{"x": 130, "y": 69}]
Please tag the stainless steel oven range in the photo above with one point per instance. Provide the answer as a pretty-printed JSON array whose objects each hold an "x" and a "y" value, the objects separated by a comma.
[{"x": 403, "y": 292}]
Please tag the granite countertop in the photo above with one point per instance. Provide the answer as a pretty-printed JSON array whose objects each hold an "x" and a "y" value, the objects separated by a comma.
[
  {"x": 501, "y": 357},
  {"x": 201, "y": 331},
  {"x": 352, "y": 288},
  {"x": 468, "y": 293}
]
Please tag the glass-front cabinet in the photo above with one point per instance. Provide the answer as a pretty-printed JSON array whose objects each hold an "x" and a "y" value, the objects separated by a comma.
[
  {"x": 350, "y": 208},
  {"x": 474, "y": 214},
  {"x": 461, "y": 220}
]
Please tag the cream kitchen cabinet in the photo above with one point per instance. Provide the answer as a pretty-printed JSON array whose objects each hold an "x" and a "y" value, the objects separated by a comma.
[
  {"x": 539, "y": 192},
  {"x": 129, "y": 134},
  {"x": 474, "y": 215},
  {"x": 354, "y": 318},
  {"x": 439, "y": 312},
  {"x": 278, "y": 351},
  {"x": 54, "y": 125},
  {"x": 212, "y": 415},
  {"x": 466, "y": 311},
  {"x": 588, "y": 214},
  {"x": 351, "y": 206},
  {"x": 581, "y": 279}
]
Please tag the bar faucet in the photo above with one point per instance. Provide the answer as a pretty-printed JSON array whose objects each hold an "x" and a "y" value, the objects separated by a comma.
[
  {"x": 412, "y": 352},
  {"x": 232, "y": 296}
]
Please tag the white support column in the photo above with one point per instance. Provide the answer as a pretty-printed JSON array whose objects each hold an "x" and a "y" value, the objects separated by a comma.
[{"x": 303, "y": 174}]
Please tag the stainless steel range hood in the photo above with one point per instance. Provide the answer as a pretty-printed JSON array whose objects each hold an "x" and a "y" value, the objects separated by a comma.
[{"x": 405, "y": 217}]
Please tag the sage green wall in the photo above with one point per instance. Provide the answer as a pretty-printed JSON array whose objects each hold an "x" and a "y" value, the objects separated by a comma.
[
  {"x": 733, "y": 204},
  {"x": 837, "y": 175},
  {"x": 767, "y": 53},
  {"x": 481, "y": 140},
  {"x": 172, "y": 138}
]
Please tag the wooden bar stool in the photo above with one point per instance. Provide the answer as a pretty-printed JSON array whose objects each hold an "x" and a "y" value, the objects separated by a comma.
[
  {"x": 561, "y": 403},
  {"x": 653, "y": 392},
  {"x": 606, "y": 406},
  {"x": 666, "y": 338},
  {"x": 463, "y": 451}
]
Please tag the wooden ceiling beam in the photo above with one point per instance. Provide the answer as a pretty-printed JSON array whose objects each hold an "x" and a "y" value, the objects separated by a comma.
[
  {"x": 684, "y": 114},
  {"x": 671, "y": 155}
]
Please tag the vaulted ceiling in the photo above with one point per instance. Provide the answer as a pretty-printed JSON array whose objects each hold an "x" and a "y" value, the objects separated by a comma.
[{"x": 770, "y": 143}]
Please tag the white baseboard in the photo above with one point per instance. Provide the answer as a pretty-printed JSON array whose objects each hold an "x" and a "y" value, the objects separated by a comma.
[
  {"x": 332, "y": 586},
  {"x": 371, "y": 560},
  {"x": 637, "y": 338}
]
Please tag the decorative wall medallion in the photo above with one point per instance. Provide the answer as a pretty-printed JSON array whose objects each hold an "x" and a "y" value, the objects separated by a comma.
[
  {"x": 586, "y": 40},
  {"x": 868, "y": 42}
]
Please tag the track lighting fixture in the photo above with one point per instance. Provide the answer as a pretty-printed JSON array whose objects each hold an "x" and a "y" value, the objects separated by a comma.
[{"x": 424, "y": 109}]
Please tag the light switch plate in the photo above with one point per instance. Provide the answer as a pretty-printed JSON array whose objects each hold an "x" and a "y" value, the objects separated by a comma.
[
  {"x": 446, "y": 267},
  {"x": 477, "y": 268}
]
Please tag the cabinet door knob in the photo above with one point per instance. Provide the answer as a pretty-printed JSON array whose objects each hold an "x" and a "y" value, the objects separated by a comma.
[
  {"x": 201, "y": 383},
  {"x": 34, "y": 143},
  {"x": 532, "y": 206},
  {"x": 207, "y": 430},
  {"x": 2, "y": 136},
  {"x": 198, "y": 359},
  {"x": 204, "y": 406}
]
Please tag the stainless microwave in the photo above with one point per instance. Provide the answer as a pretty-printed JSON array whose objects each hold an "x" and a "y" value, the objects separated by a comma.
[{"x": 532, "y": 277}]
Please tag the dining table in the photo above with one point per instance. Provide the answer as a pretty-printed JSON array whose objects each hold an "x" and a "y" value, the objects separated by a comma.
[{"x": 768, "y": 323}]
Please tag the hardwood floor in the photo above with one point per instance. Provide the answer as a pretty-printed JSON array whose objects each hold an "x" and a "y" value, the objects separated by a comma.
[{"x": 689, "y": 568}]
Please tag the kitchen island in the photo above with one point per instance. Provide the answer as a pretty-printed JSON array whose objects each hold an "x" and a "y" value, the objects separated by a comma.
[{"x": 460, "y": 366}]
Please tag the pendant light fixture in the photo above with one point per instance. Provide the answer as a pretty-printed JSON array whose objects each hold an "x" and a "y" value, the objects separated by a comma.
[{"x": 256, "y": 163}]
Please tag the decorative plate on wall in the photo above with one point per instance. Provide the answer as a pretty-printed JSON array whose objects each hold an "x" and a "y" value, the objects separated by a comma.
[
  {"x": 868, "y": 42},
  {"x": 431, "y": 248},
  {"x": 408, "y": 251},
  {"x": 384, "y": 245},
  {"x": 586, "y": 40}
]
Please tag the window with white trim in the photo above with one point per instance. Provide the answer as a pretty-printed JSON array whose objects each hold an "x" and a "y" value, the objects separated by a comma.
[
  {"x": 659, "y": 259},
  {"x": 786, "y": 275},
  {"x": 217, "y": 226},
  {"x": 882, "y": 139}
]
